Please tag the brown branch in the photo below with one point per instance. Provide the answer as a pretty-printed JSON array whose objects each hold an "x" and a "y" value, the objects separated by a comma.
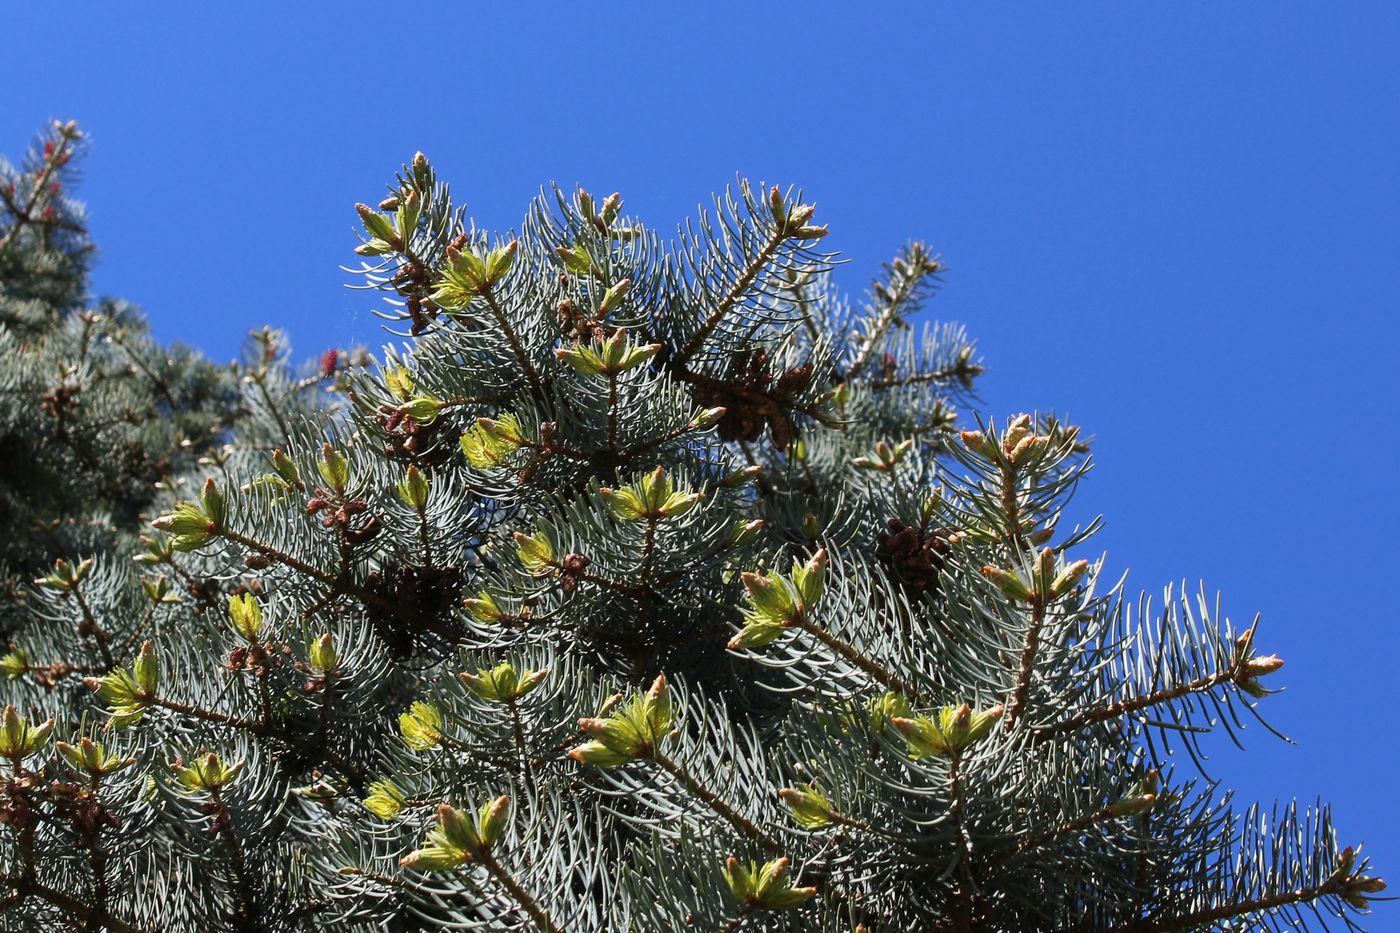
[
  {"x": 74, "y": 906},
  {"x": 713, "y": 801},
  {"x": 1134, "y": 704},
  {"x": 1211, "y": 915},
  {"x": 965, "y": 888},
  {"x": 511, "y": 337},
  {"x": 93, "y": 627},
  {"x": 888, "y": 315},
  {"x": 1050, "y": 835},
  {"x": 1023, "y": 677},
  {"x": 736, "y": 291},
  {"x": 338, "y": 584},
  {"x": 851, "y": 653},
  {"x": 25, "y": 216},
  {"x": 935, "y": 375},
  {"x": 522, "y": 897}
]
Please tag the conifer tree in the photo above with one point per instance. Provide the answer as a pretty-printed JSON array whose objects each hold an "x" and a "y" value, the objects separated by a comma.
[
  {"x": 640, "y": 585},
  {"x": 93, "y": 414}
]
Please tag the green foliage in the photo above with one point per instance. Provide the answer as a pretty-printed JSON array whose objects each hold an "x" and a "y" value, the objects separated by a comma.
[
  {"x": 95, "y": 417},
  {"x": 644, "y": 585}
]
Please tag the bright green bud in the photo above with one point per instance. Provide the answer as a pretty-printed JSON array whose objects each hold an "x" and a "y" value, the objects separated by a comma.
[
  {"x": 489, "y": 442},
  {"x": 886, "y": 707},
  {"x": 91, "y": 757},
  {"x": 434, "y": 858},
  {"x": 213, "y": 502},
  {"x": 484, "y": 608},
  {"x": 422, "y": 409},
  {"x": 500, "y": 260},
  {"x": 613, "y": 296},
  {"x": 660, "y": 712},
  {"x": 810, "y": 580},
  {"x": 399, "y": 381},
  {"x": 406, "y": 219},
  {"x": 608, "y": 358},
  {"x": 322, "y": 653},
  {"x": 502, "y": 683},
  {"x": 385, "y": 800},
  {"x": 377, "y": 225},
  {"x": 492, "y": 820},
  {"x": 421, "y": 726},
  {"x": 745, "y": 532},
  {"x": 188, "y": 526},
  {"x": 1010, "y": 584},
  {"x": 642, "y": 724},
  {"x": 207, "y": 773},
  {"x": 653, "y": 496},
  {"x": 809, "y": 806},
  {"x": 285, "y": 468},
  {"x": 334, "y": 468},
  {"x": 576, "y": 259},
  {"x": 122, "y": 694},
  {"x": 756, "y": 634},
  {"x": 536, "y": 552},
  {"x": 619, "y": 733},
  {"x": 246, "y": 616},
  {"x": 599, "y": 755},
  {"x": 765, "y": 888},
  {"x": 17, "y": 738},
  {"x": 457, "y": 831},
  {"x": 708, "y": 418},
  {"x": 15, "y": 664},
  {"x": 771, "y": 597},
  {"x": 457, "y": 840},
  {"x": 466, "y": 269},
  {"x": 145, "y": 670},
  {"x": 773, "y": 891},
  {"x": 1068, "y": 577},
  {"x": 956, "y": 728},
  {"x": 413, "y": 489}
]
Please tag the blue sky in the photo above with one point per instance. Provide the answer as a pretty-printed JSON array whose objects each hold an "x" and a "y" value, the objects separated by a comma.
[{"x": 1176, "y": 223}]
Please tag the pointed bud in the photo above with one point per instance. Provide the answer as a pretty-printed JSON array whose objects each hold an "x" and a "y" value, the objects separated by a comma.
[
  {"x": 1010, "y": 584},
  {"x": 809, "y": 806},
  {"x": 377, "y": 225},
  {"x": 146, "y": 669},
  {"x": 213, "y": 502},
  {"x": 777, "y": 208},
  {"x": 413, "y": 489},
  {"x": 323, "y": 655},
  {"x": 494, "y": 818},
  {"x": 1068, "y": 577},
  {"x": 245, "y": 615},
  {"x": 977, "y": 442}
]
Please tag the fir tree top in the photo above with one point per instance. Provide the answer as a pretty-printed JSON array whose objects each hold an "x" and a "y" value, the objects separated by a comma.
[{"x": 645, "y": 584}]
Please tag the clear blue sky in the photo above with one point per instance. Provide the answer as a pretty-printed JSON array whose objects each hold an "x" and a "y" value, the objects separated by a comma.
[{"x": 1179, "y": 223}]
